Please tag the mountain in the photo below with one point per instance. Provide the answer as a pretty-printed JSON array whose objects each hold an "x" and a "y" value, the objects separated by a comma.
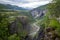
[
  {"x": 39, "y": 11},
  {"x": 13, "y": 7}
]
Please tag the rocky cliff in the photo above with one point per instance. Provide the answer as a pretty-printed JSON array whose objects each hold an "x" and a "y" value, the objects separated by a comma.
[{"x": 39, "y": 11}]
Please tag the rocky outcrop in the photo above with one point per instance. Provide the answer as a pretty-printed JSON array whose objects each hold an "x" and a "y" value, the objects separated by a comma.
[
  {"x": 21, "y": 23},
  {"x": 38, "y": 12},
  {"x": 51, "y": 34}
]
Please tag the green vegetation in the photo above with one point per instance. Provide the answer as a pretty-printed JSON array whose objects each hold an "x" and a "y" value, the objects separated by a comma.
[
  {"x": 43, "y": 7},
  {"x": 3, "y": 26},
  {"x": 50, "y": 19},
  {"x": 54, "y": 12},
  {"x": 6, "y": 18},
  {"x": 13, "y": 37},
  {"x": 54, "y": 8}
]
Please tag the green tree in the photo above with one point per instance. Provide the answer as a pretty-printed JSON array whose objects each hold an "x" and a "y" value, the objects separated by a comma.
[
  {"x": 3, "y": 26},
  {"x": 54, "y": 8},
  {"x": 54, "y": 13},
  {"x": 13, "y": 37}
]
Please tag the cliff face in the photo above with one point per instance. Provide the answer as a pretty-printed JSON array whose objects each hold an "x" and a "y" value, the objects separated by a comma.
[
  {"x": 38, "y": 12},
  {"x": 20, "y": 24}
]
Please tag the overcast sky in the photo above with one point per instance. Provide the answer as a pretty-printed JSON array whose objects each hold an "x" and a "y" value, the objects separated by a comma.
[{"x": 26, "y": 3}]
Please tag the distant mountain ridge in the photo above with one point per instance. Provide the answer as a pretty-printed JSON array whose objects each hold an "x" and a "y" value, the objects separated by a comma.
[{"x": 13, "y": 7}]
